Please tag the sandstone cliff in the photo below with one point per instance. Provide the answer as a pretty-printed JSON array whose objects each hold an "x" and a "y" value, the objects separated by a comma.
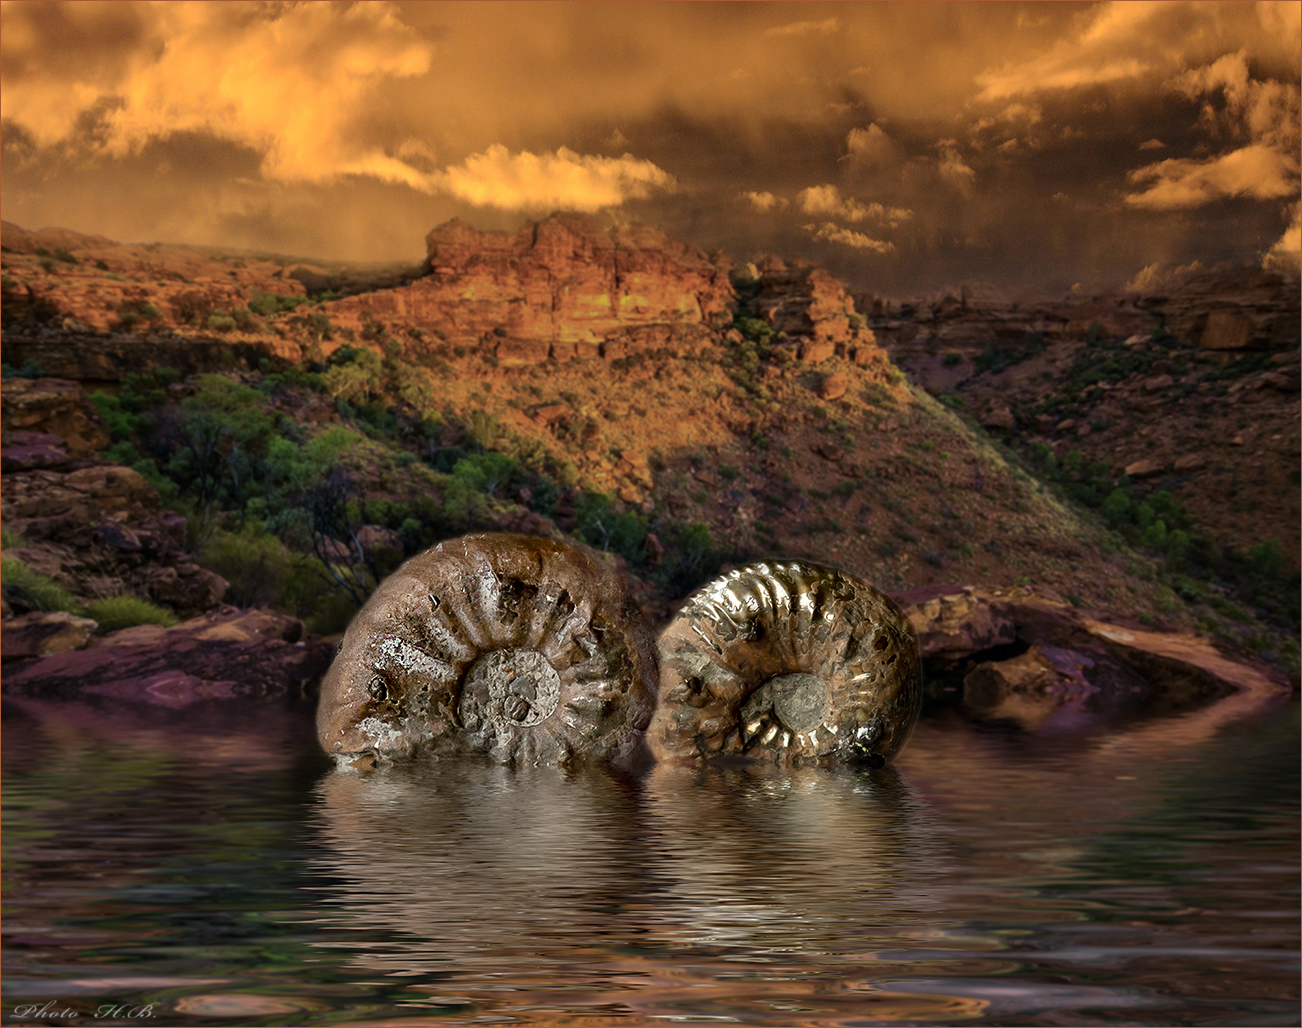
[{"x": 561, "y": 288}]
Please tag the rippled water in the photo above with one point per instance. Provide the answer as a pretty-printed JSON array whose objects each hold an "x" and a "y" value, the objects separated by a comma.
[{"x": 210, "y": 867}]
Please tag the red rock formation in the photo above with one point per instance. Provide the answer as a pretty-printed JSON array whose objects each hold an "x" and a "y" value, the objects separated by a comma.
[
  {"x": 558, "y": 288},
  {"x": 812, "y": 310}
]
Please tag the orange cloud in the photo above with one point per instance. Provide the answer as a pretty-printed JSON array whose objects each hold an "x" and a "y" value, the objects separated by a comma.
[
  {"x": 834, "y": 233},
  {"x": 288, "y": 81},
  {"x": 952, "y": 166},
  {"x": 1286, "y": 255},
  {"x": 763, "y": 201},
  {"x": 806, "y": 28},
  {"x": 827, "y": 200},
  {"x": 526, "y": 181},
  {"x": 872, "y": 147},
  {"x": 1257, "y": 171}
]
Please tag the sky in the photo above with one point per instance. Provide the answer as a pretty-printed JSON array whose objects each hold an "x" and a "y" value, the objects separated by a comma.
[{"x": 904, "y": 146}]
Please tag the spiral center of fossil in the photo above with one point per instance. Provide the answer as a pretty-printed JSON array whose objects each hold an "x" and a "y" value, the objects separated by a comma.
[
  {"x": 800, "y": 701},
  {"x": 511, "y": 688}
]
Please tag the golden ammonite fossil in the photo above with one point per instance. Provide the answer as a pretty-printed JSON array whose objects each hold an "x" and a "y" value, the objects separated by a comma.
[
  {"x": 509, "y": 645},
  {"x": 786, "y": 660}
]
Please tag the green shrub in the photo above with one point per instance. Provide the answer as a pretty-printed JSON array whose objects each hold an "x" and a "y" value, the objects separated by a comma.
[
  {"x": 253, "y": 562},
  {"x": 221, "y": 323},
  {"x": 8, "y": 539},
  {"x": 271, "y": 304},
  {"x": 950, "y": 359},
  {"x": 598, "y": 524},
  {"x": 1266, "y": 559},
  {"x": 247, "y": 321},
  {"x": 691, "y": 558},
  {"x": 21, "y": 583},
  {"x": 117, "y": 612},
  {"x": 484, "y": 472}
]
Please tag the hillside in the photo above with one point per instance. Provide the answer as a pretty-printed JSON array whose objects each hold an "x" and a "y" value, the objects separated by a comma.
[{"x": 612, "y": 387}]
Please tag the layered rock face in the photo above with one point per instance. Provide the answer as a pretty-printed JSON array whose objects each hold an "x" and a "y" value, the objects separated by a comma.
[
  {"x": 1217, "y": 309},
  {"x": 1234, "y": 311},
  {"x": 813, "y": 309},
  {"x": 560, "y": 288}
]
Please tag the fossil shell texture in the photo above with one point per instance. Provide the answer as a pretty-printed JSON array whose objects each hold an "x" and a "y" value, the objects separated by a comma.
[
  {"x": 509, "y": 645},
  {"x": 786, "y": 660}
]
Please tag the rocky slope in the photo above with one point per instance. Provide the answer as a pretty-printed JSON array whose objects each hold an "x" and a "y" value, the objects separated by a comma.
[
  {"x": 1192, "y": 388},
  {"x": 610, "y": 387}
]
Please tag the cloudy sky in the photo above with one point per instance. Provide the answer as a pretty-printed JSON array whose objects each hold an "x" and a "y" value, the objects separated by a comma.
[{"x": 905, "y": 146}]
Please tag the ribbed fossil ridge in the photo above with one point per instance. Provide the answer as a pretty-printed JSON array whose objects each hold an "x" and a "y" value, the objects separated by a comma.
[
  {"x": 782, "y": 660},
  {"x": 512, "y": 646}
]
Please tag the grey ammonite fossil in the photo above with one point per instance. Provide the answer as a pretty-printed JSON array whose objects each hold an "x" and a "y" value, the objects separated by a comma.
[
  {"x": 786, "y": 660},
  {"x": 508, "y": 645}
]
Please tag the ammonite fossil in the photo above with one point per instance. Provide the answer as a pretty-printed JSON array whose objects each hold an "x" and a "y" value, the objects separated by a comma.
[
  {"x": 785, "y": 660},
  {"x": 509, "y": 645}
]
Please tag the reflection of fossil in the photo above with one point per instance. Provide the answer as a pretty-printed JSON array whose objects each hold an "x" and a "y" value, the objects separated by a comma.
[
  {"x": 784, "y": 660},
  {"x": 513, "y": 646}
]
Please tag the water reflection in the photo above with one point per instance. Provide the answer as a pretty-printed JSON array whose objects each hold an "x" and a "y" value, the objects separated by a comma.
[
  {"x": 466, "y": 856},
  {"x": 221, "y": 868},
  {"x": 799, "y": 858}
]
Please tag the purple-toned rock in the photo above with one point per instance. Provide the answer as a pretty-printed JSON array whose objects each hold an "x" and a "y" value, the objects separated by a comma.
[
  {"x": 25, "y": 451},
  {"x": 224, "y": 654},
  {"x": 43, "y": 633}
]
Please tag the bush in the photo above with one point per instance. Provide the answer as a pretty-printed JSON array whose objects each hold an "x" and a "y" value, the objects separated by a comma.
[
  {"x": 221, "y": 323},
  {"x": 1266, "y": 560},
  {"x": 484, "y": 472},
  {"x": 598, "y": 524},
  {"x": 253, "y": 562},
  {"x": 950, "y": 359},
  {"x": 271, "y": 304},
  {"x": 117, "y": 612},
  {"x": 247, "y": 321},
  {"x": 691, "y": 558},
  {"x": 32, "y": 589}
]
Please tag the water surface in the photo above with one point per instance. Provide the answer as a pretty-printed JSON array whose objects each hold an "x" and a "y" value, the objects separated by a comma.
[{"x": 209, "y": 866}]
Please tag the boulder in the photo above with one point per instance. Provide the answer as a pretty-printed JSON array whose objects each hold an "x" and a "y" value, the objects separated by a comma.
[
  {"x": 1144, "y": 468},
  {"x": 999, "y": 419},
  {"x": 834, "y": 386},
  {"x": 954, "y": 623},
  {"x": 815, "y": 351},
  {"x": 1030, "y": 687},
  {"x": 187, "y": 587},
  {"x": 41, "y": 634}
]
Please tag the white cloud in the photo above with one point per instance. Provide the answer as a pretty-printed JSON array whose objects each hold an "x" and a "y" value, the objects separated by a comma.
[
  {"x": 834, "y": 233},
  {"x": 526, "y": 181},
  {"x": 1256, "y": 171}
]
